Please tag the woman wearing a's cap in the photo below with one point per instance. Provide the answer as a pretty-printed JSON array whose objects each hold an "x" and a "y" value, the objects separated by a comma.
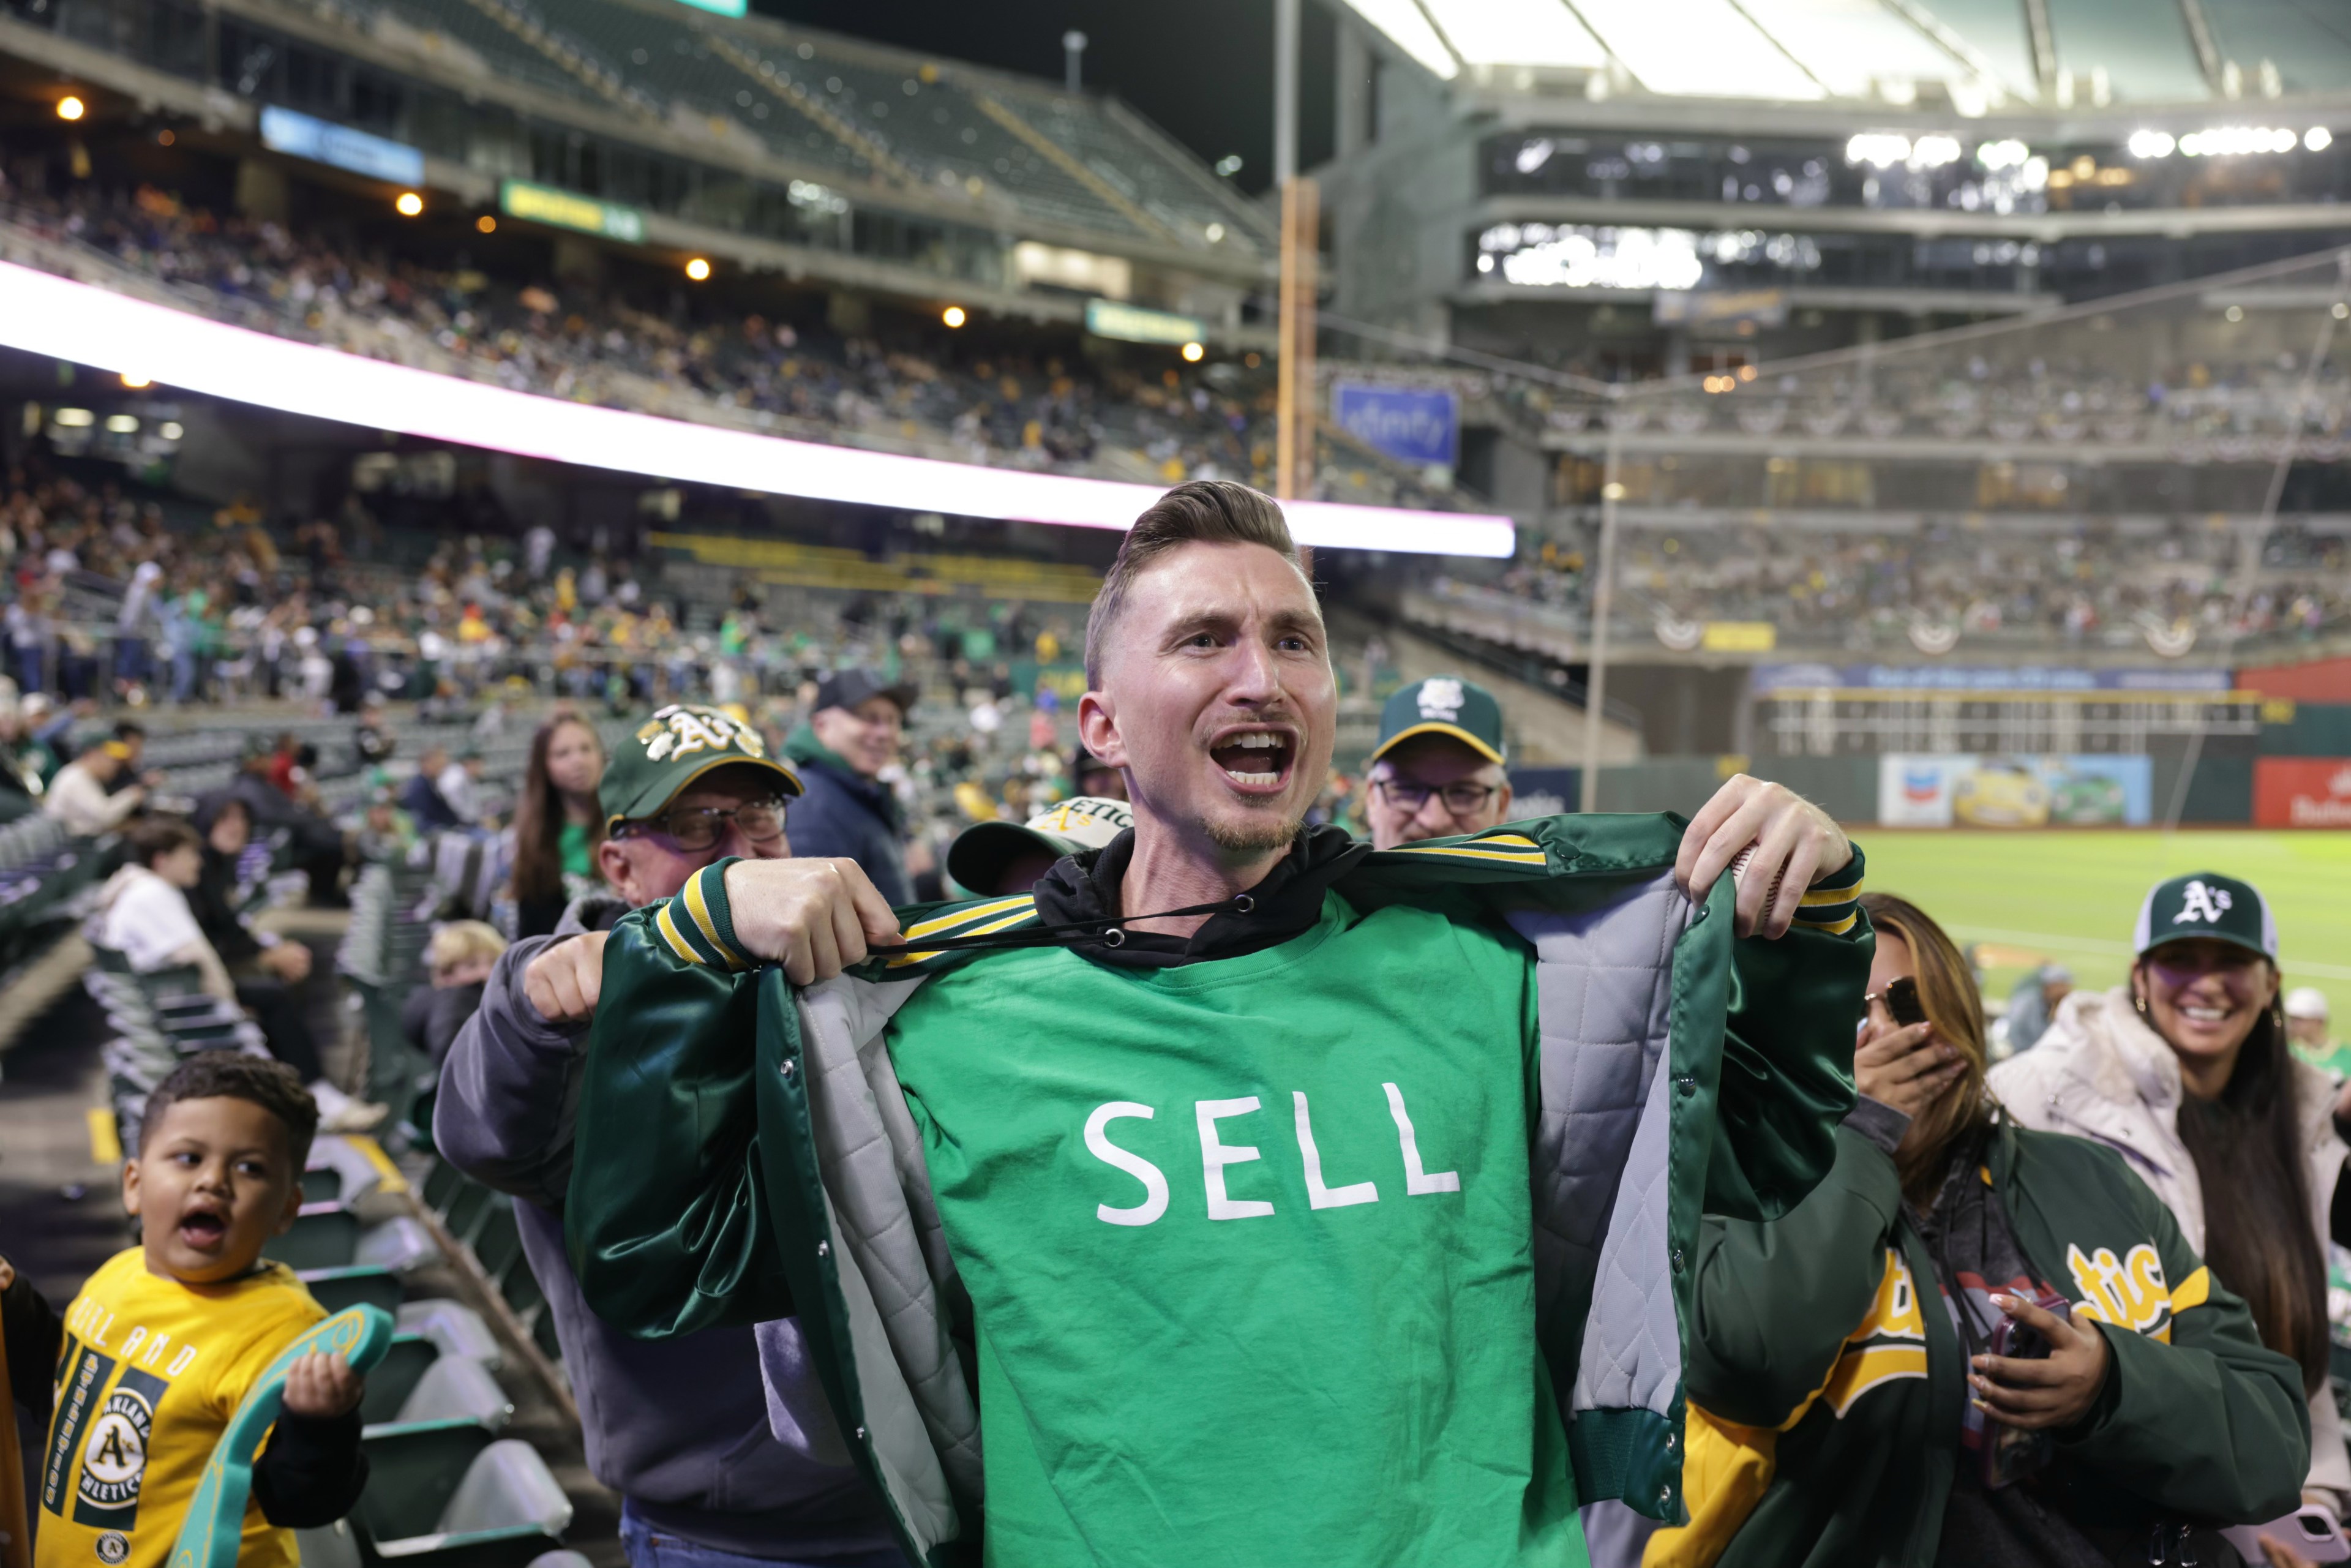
[{"x": 2185, "y": 1069}]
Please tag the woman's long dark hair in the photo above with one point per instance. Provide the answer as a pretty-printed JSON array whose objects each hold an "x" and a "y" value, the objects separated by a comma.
[
  {"x": 539, "y": 818},
  {"x": 2247, "y": 1146}
]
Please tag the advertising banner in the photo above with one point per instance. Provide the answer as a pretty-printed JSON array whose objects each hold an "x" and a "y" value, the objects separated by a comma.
[
  {"x": 570, "y": 210},
  {"x": 1411, "y": 424},
  {"x": 2301, "y": 791},
  {"x": 323, "y": 141},
  {"x": 1134, "y": 324},
  {"x": 1965, "y": 789}
]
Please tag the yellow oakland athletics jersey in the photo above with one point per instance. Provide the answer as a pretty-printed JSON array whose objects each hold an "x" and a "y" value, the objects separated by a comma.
[{"x": 151, "y": 1372}]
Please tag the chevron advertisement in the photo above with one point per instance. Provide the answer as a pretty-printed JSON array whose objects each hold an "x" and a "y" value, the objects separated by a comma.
[{"x": 1970, "y": 790}]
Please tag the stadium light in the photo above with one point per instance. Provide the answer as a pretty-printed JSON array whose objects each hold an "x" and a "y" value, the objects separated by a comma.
[
  {"x": 408, "y": 204},
  {"x": 81, "y": 323},
  {"x": 486, "y": 224},
  {"x": 170, "y": 430},
  {"x": 698, "y": 269},
  {"x": 123, "y": 423},
  {"x": 1193, "y": 353},
  {"x": 71, "y": 107},
  {"x": 1878, "y": 149},
  {"x": 953, "y": 315},
  {"x": 134, "y": 381},
  {"x": 75, "y": 418},
  {"x": 2318, "y": 138},
  {"x": 2152, "y": 143}
]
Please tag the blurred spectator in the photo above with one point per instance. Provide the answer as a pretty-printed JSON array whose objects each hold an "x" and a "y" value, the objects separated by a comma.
[
  {"x": 2309, "y": 1026},
  {"x": 460, "y": 784},
  {"x": 1093, "y": 777},
  {"x": 313, "y": 843},
  {"x": 143, "y": 912},
  {"x": 370, "y": 742},
  {"x": 1818, "y": 1351},
  {"x": 422, "y": 798},
  {"x": 2033, "y": 1003},
  {"x": 556, "y": 823},
  {"x": 992, "y": 859},
  {"x": 79, "y": 796},
  {"x": 461, "y": 956},
  {"x": 850, "y": 737},
  {"x": 1437, "y": 770},
  {"x": 681, "y": 1427},
  {"x": 2186, "y": 1068}
]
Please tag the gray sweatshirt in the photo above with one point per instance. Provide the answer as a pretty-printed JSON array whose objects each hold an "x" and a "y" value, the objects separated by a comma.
[{"x": 680, "y": 1427}]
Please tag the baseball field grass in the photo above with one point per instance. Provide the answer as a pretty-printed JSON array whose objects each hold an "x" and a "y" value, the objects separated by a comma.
[{"x": 2071, "y": 897}]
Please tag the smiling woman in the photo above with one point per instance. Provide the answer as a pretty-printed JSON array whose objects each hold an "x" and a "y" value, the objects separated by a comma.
[{"x": 2186, "y": 1068}]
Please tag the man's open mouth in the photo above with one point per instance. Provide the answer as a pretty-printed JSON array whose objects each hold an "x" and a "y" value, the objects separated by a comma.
[
  {"x": 203, "y": 1229},
  {"x": 1255, "y": 759}
]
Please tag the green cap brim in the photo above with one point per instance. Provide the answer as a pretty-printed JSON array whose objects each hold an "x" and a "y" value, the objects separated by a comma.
[
  {"x": 1454, "y": 731},
  {"x": 648, "y": 801}
]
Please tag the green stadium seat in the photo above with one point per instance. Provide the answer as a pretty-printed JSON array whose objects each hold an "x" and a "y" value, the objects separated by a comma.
[
  {"x": 335, "y": 1288},
  {"x": 451, "y": 1388},
  {"x": 447, "y": 1495},
  {"x": 457, "y": 1328},
  {"x": 396, "y": 1377},
  {"x": 498, "y": 1244},
  {"x": 441, "y": 1186},
  {"x": 324, "y": 1236},
  {"x": 466, "y": 1211}
]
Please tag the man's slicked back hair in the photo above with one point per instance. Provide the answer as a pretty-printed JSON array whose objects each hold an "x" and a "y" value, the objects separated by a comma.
[{"x": 1202, "y": 511}]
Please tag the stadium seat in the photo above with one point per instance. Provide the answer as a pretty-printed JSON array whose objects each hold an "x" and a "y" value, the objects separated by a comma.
[
  {"x": 335, "y": 1288},
  {"x": 329, "y": 1236},
  {"x": 335, "y": 1546},
  {"x": 400, "y": 1244},
  {"x": 467, "y": 1210},
  {"x": 451, "y": 1388},
  {"x": 396, "y": 1377},
  {"x": 457, "y": 1328},
  {"x": 448, "y": 1495},
  {"x": 340, "y": 1172},
  {"x": 498, "y": 1244},
  {"x": 442, "y": 1184}
]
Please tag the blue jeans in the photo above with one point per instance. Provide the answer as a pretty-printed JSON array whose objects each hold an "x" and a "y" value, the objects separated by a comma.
[{"x": 648, "y": 1548}]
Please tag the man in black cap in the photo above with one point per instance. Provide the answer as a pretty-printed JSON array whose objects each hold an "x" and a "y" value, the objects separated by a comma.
[{"x": 849, "y": 811}]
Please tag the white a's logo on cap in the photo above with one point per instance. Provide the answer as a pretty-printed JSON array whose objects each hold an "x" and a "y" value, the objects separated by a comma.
[
  {"x": 1441, "y": 699},
  {"x": 2197, "y": 902}
]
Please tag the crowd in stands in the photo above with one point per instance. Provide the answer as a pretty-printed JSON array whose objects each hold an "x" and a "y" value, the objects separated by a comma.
[
  {"x": 1864, "y": 589},
  {"x": 595, "y": 343}
]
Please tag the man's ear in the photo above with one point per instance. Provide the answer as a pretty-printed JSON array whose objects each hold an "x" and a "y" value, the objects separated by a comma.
[
  {"x": 612, "y": 864},
  {"x": 131, "y": 1187},
  {"x": 1098, "y": 728}
]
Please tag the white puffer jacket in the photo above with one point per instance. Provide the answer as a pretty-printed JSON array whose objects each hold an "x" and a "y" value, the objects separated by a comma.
[{"x": 2102, "y": 1072}]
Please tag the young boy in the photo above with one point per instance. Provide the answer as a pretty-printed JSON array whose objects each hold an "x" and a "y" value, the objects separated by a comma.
[{"x": 154, "y": 1356}]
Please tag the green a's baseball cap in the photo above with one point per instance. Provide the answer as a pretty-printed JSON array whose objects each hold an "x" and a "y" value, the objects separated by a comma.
[
  {"x": 671, "y": 749},
  {"x": 1443, "y": 705},
  {"x": 977, "y": 858},
  {"x": 2206, "y": 904}
]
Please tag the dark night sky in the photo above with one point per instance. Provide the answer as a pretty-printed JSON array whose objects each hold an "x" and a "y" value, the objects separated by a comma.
[{"x": 1200, "y": 69}]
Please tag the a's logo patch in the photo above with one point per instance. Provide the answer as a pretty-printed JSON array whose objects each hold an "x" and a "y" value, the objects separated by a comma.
[
  {"x": 2197, "y": 902},
  {"x": 113, "y": 1547},
  {"x": 1441, "y": 699},
  {"x": 681, "y": 731},
  {"x": 114, "y": 1460}
]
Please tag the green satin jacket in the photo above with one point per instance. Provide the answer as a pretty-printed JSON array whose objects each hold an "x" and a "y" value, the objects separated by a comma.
[{"x": 744, "y": 1153}]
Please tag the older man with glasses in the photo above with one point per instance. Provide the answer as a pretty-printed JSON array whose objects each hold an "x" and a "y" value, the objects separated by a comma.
[
  {"x": 1437, "y": 768},
  {"x": 679, "y": 1427}
]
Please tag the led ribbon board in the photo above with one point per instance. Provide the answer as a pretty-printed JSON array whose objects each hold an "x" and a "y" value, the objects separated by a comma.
[{"x": 41, "y": 314}]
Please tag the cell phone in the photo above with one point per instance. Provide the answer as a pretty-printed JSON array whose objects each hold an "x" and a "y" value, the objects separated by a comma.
[
  {"x": 2010, "y": 1453},
  {"x": 1903, "y": 1006},
  {"x": 2311, "y": 1529}
]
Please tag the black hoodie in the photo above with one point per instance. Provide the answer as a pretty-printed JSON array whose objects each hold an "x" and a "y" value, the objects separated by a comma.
[{"x": 1085, "y": 888}]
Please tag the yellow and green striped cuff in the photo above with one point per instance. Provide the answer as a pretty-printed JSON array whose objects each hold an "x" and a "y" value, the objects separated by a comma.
[
  {"x": 1831, "y": 904},
  {"x": 695, "y": 925}
]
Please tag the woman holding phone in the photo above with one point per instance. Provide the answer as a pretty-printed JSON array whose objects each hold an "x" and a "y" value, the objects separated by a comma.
[
  {"x": 1972, "y": 1343},
  {"x": 2186, "y": 1070}
]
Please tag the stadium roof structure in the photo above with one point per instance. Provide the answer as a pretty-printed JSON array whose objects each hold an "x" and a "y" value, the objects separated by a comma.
[
  {"x": 1977, "y": 57},
  {"x": 886, "y": 129}
]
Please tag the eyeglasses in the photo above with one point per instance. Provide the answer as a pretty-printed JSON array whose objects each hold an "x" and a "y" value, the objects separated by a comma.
[
  {"x": 1462, "y": 800},
  {"x": 698, "y": 828}
]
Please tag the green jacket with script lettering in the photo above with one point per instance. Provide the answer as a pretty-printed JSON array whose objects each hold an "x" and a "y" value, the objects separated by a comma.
[{"x": 1375, "y": 1242}]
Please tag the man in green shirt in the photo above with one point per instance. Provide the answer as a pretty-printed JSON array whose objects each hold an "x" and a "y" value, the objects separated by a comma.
[{"x": 1277, "y": 1200}]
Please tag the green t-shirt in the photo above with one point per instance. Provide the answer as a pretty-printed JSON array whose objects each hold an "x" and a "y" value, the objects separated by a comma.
[
  {"x": 1249, "y": 1246},
  {"x": 572, "y": 848}
]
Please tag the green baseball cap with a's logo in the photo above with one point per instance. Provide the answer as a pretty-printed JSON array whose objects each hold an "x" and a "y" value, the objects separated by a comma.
[
  {"x": 1443, "y": 705},
  {"x": 2206, "y": 904},
  {"x": 671, "y": 749}
]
